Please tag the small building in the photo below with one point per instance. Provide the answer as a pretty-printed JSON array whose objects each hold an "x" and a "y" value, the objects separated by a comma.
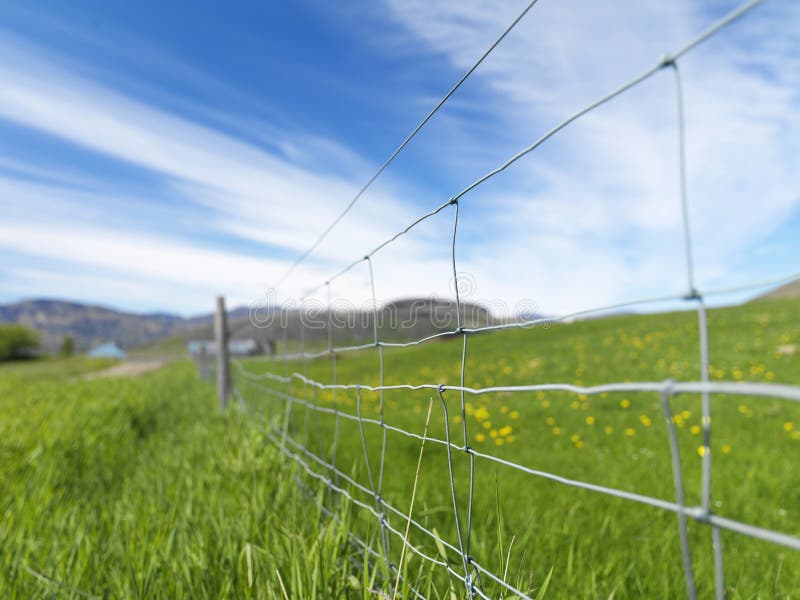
[
  {"x": 248, "y": 347},
  {"x": 197, "y": 347},
  {"x": 107, "y": 350}
]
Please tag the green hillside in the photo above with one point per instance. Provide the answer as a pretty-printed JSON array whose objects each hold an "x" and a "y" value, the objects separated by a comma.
[{"x": 141, "y": 488}]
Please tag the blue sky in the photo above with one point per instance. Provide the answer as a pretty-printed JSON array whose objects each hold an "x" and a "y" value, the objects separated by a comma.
[{"x": 155, "y": 154}]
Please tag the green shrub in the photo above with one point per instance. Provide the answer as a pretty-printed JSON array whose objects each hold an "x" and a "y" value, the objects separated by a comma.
[
  {"x": 67, "y": 346},
  {"x": 17, "y": 341}
]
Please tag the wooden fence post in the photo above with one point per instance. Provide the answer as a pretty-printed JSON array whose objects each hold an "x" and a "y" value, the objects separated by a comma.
[{"x": 221, "y": 338}]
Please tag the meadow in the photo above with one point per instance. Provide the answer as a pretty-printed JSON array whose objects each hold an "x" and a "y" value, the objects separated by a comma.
[{"x": 142, "y": 488}]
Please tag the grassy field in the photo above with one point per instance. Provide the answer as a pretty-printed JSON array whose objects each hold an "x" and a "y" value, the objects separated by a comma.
[{"x": 142, "y": 488}]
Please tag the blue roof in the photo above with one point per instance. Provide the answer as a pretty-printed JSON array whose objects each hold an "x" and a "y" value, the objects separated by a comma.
[{"x": 109, "y": 350}]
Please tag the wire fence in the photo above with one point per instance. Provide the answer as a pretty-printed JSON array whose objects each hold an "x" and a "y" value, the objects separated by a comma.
[{"x": 316, "y": 455}]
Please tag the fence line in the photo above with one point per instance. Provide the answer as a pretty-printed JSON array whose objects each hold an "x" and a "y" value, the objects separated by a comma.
[
  {"x": 529, "y": 323},
  {"x": 667, "y": 389},
  {"x": 465, "y": 568},
  {"x": 736, "y": 388}
]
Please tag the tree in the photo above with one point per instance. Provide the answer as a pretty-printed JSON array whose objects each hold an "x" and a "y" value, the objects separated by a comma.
[
  {"x": 17, "y": 341},
  {"x": 67, "y": 346}
]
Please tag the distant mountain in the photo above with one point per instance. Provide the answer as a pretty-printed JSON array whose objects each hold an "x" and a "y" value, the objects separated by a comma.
[
  {"x": 90, "y": 325},
  {"x": 788, "y": 290},
  {"x": 401, "y": 320}
]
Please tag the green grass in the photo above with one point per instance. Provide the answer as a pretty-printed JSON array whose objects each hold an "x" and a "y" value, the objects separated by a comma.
[
  {"x": 173, "y": 346},
  {"x": 142, "y": 488},
  {"x": 124, "y": 488},
  {"x": 54, "y": 369}
]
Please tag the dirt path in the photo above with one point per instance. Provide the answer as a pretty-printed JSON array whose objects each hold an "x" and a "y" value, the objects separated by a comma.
[{"x": 129, "y": 368}]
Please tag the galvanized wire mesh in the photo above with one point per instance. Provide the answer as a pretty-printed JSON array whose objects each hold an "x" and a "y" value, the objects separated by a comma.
[{"x": 319, "y": 461}]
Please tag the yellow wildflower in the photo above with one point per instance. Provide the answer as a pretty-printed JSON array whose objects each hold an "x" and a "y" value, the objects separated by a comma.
[
  {"x": 645, "y": 420},
  {"x": 504, "y": 431},
  {"x": 625, "y": 403},
  {"x": 493, "y": 433},
  {"x": 482, "y": 414},
  {"x": 630, "y": 432},
  {"x": 514, "y": 414},
  {"x": 609, "y": 430},
  {"x": 726, "y": 449},
  {"x": 701, "y": 450},
  {"x": 550, "y": 421},
  {"x": 589, "y": 420},
  {"x": 499, "y": 441},
  {"x": 695, "y": 429},
  {"x": 545, "y": 403},
  {"x": 788, "y": 426},
  {"x": 480, "y": 437},
  {"x": 556, "y": 430}
]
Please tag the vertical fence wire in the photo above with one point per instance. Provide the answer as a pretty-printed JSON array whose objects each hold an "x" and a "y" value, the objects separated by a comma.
[
  {"x": 702, "y": 326},
  {"x": 680, "y": 496}
]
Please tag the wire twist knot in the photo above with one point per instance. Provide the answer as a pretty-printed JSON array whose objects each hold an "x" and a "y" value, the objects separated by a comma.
[{"x": 693, "y": 294}]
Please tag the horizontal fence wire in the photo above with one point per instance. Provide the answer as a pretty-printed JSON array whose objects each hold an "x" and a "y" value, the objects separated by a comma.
[
  {"x": 670, "y": 387},
  {"x": 454, "y": 555},
  {"x": 542, "y": 321}
]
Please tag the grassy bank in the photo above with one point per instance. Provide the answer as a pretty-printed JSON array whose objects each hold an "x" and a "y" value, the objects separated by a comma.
[{"x": 141, "y": 488}]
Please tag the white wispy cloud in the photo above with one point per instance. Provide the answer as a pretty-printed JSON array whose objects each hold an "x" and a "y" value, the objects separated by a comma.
[
  {"x": 592, "y": 217},
  {"x": 281, "y": 200}
]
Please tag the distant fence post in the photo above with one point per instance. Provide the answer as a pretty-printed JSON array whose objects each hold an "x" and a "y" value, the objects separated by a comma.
[
  {"x": 202, "y": 362},
  {"x": 221, "y": 338}
]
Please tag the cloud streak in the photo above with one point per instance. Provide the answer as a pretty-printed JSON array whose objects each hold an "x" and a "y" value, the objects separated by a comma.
[
  {"x": 592, "y": 217},
  {"x": 598, "y": 206}
]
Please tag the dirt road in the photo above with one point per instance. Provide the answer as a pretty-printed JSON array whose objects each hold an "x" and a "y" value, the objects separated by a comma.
[{"x": 129, "y": 368}]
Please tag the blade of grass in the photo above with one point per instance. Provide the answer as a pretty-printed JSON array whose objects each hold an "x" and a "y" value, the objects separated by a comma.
[
  {"x": 280, "y": 582},
  {"x": 413, "y": 496}
]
